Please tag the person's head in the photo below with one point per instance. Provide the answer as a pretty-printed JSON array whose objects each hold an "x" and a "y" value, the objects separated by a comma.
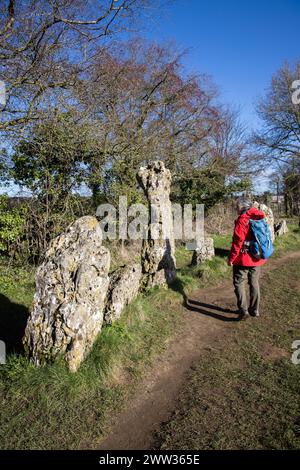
[{"x": 243, "y": 204}]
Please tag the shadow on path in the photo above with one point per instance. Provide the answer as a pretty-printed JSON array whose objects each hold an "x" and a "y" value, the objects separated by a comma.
[
  {"x": 208, "y": 310},
  {"x": 204, "y": 308}
]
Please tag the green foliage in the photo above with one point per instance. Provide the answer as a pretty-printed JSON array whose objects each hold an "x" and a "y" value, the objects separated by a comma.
[
  {"x": 52, "y": 161},
  {"x": 12, "y": 221},
  {"x": 206, "y": 186},
  {"x": 120, "y": 180}
]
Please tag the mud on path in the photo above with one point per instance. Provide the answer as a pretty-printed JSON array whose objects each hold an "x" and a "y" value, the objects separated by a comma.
[{"x": 207, "y": 316}]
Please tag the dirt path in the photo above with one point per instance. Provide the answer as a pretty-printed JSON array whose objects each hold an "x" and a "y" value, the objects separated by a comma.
[{"x": 208, "y": 316}]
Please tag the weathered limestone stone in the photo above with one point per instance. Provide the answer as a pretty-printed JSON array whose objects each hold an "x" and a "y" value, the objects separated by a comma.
[
  {"x": 123, "y": 288},
  {"x": 158, "y": 249},
  {"x": 281, "y": 228},
  {"x": 204, "y": 251},
  {"x": 269, "y": 216},
  {"x": 71, "y": 286}
]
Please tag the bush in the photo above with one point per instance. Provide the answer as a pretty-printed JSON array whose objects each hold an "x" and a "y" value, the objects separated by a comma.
[{"x": 12, "y": 221}]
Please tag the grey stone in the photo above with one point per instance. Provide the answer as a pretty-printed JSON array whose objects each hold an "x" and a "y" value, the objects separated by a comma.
[
  {"x": 158, "y": 249},
  {"x": 123, "y": 288},
  {"x": 71, "y": 287},
  {"x": 281, "y": 228},
  {"x": 269, "y": 216},
  {"x": 204, "y": 251}
]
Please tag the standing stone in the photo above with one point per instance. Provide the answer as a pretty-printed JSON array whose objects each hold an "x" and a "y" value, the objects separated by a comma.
[
  {"x": 71, "y": 286},
  {"x": 123, "y": 287},
  {"x": 269, "y": 216},
  {"x": 158, "y": 249},
  {"x": 281, "y": 228},
  {"x": 205, "y": 251}
]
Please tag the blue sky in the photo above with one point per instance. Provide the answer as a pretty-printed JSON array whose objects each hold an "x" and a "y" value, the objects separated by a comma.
[{"x": 240, "y": 43}]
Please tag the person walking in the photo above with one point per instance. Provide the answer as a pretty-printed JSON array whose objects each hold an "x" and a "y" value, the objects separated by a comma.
[{"x": 246, "y": 268}]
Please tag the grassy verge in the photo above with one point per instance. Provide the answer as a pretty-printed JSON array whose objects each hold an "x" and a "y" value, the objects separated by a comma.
[
  {"x": 192, "y": 277},
  {"x": 246, "y": 396},
  {"x": 288, "y": 242},
  {"x": 50, "y": 408},
  {"x": 215, "y": 270}
]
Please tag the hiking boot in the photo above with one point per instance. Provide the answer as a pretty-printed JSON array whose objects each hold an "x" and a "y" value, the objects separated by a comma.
[{"x": 243, "y": 316}]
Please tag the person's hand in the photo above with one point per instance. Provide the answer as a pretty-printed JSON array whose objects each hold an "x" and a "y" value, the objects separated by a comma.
[{"x": 229, "y": 263}]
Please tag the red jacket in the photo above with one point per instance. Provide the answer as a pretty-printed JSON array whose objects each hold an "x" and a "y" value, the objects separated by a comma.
[{"x": 242, "y": 233}]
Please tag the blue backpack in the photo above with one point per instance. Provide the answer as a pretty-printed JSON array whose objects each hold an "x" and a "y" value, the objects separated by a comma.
[{"x": 261, "y": 246}]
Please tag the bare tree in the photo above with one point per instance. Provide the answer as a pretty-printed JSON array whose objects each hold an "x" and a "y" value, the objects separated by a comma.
[
  {"x": 138, "y": 96},
  {"x": 144, "y": 107},
  {"x": 46, "y": 45},
  {"x": 230, "y": 149},
  {"x": 279, "y": 139}
]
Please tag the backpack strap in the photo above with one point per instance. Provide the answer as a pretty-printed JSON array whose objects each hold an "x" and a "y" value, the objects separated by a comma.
[{"x": 247, "y": 243}]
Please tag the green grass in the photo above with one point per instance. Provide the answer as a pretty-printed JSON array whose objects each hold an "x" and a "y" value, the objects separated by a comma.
[
  {"x": 17, "y": 283},
  {"x": 51, "y": 408},
  {"x": 247, "y": 395},
  {"x": 48, "y": 407},
  {"x": 215, "y": 270},
  {"x": 208, "y": 272},
  {"x": 288, "y": 242}
]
